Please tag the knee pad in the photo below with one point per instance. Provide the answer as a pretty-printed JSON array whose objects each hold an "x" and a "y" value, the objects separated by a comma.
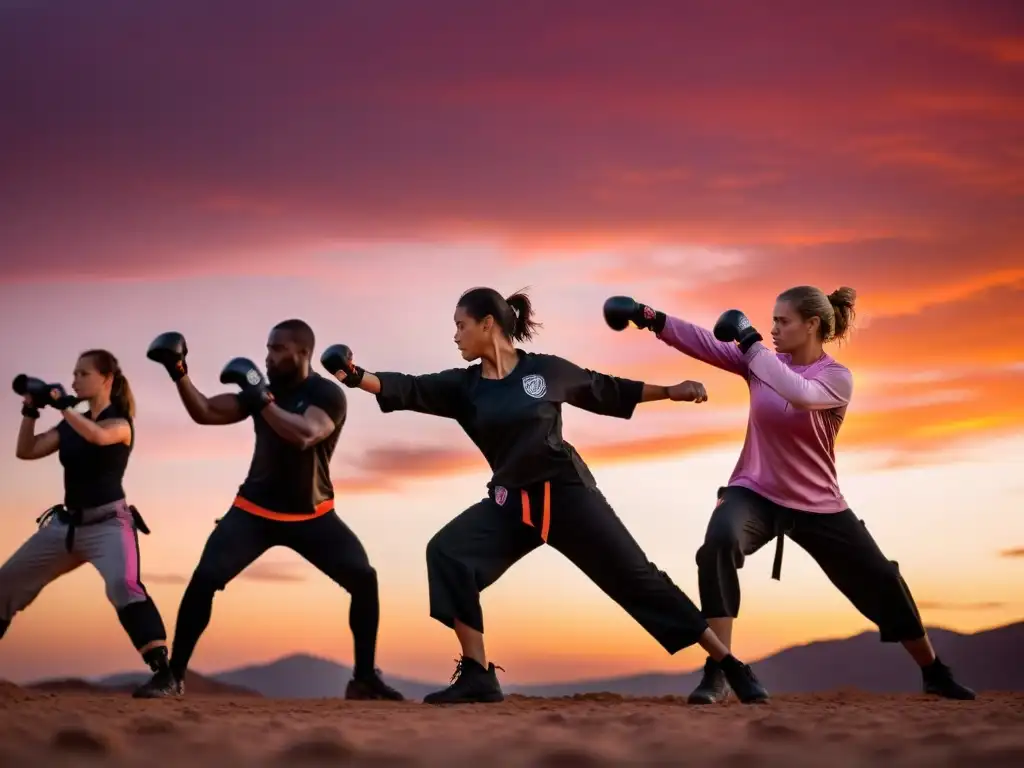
[{"x": 142, "y": 621}]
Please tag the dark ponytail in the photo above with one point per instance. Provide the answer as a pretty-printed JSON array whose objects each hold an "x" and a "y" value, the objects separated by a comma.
[
  {"x": 513, "y": 315},
  {"x": 120, "y": 391},
  {"x": 121, "y": 395},
  {"x": 524, "y": 327}
]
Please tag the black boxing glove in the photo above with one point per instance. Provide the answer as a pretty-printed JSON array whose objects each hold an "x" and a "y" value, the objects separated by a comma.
[
  {"x": 733, "y": 325},
  {"x": 169, "y": 349},
  {"x": 255, "y": 394},
  {"x": 620, "y": 311},
  {"x": 37, "y": 392},
  {"x": 30, "y": 385},
  {"x": 337, "y": 358}
]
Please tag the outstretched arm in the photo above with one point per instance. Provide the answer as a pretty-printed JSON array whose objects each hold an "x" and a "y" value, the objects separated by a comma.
[
  {"x": 608, "y": 395},
  {"x": 601, "y": 393},
  {"x": 622, "y": 311},
  {"x": 435, "y": 394},
  {"x": 832, "y": 387},
  {"x": 700, "y": 344},
  {"x": 369, "y": 383}
]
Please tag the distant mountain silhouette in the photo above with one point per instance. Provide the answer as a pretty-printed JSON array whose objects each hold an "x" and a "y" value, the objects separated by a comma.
[
  {"x": 988, "y": 660},
  {"x": 300, "y": 676}
]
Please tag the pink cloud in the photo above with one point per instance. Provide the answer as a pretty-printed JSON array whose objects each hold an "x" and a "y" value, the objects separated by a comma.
[{"x": 278, "y": 134}]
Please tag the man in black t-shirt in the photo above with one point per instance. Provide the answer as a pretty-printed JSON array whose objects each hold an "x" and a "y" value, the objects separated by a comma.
[{"x": 287, "y": 498}]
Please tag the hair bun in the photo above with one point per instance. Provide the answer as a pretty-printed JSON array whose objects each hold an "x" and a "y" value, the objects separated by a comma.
[{"x": 843, "y": 297}]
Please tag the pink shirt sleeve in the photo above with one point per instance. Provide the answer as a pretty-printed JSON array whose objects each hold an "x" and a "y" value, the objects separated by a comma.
[
  {"x": 832, "y": 387},
  {"x": 700, "y": 344}
]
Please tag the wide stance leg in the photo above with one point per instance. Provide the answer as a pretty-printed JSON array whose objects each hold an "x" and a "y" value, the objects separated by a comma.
[
  {"x": 742, "y": 523},
  {"x": 465, "y": 557},
  {"x": 37, "y": 562},
  {"x": 112, "y": 548},
  {"x": 841, "y": 544},
  {"x": 585, "y": 529},
  {"x": 237, "y": 541},
  {"x": 331, "y": 547}
]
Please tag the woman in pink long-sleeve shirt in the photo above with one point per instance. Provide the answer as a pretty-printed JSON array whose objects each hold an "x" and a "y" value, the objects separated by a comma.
[{"x": 785, "y": 480}]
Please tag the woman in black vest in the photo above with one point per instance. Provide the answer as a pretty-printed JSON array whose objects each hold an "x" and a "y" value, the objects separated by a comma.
[{"x": 95, "y": 524}]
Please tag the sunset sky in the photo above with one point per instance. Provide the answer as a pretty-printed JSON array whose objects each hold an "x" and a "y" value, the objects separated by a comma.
[{"x": 217, "y": 168}]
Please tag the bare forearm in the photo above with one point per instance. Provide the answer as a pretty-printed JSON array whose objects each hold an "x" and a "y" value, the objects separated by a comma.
[
  {"x": 370, "y": 383},
  {"x": 26, "y": 438},
  {"x": 293, "y": 427},
  {"x": 195, "y": 402},
  {"x": 653, "y": 392},
  {"x": 88, "y": 429}
]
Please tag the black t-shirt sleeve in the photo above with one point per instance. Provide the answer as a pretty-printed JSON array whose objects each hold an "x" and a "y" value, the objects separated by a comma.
[
  {"x": 435, "y": 394},
  {"x": 330, "y": 398},
  {"x": 596, "y": 392}
]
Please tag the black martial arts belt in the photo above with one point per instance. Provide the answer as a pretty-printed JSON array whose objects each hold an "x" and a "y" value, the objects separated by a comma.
[
  {"x": 783, "y": 524},
  {"x": 73, "y": 518}
]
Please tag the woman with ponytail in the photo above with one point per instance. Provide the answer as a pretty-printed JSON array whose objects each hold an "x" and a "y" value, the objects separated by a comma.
[
  {"x": 785, "y": 482},
  {"x": 540, "y": 492},
  {"x": 95, "y": 524}
]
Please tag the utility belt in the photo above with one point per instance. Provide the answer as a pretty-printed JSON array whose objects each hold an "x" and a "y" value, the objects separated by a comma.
[{"x": 77, "y": 518}]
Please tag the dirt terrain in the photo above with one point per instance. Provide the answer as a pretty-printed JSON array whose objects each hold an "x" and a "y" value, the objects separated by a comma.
[{"x": 76, "y": 727}]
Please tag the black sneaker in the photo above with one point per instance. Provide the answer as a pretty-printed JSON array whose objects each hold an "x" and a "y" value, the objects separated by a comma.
[
  {"x": 743, "y": 681},
  {"x": 938, "y": 681},
  {"x": 713, "y": 687},
  {"x": 163, "y": 684},
  {"x": 371, "y": 688},
  {"x": 471, "y": 684}
]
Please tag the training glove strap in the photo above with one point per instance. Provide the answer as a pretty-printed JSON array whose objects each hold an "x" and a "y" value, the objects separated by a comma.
[
  {"x": 650, "y": 318},
  {"x": 748, "y": 338},
  {"x": 353, "y": 376}
]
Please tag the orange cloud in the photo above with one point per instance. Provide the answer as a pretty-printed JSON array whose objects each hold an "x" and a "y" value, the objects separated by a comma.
[
  {"x": 929, "y": 605},
  {"x": 166, "y": 578},
  {"x": 258, "y": 571},
  {"x": 276, "y": 572},
  {"x": 1015, "y": 552}
]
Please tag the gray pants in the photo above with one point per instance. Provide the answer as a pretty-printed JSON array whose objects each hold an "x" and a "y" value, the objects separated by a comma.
[{"x": 110, "y": 546}]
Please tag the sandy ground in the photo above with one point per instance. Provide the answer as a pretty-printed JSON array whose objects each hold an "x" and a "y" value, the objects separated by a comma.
[{"x": 837, "y": 729}]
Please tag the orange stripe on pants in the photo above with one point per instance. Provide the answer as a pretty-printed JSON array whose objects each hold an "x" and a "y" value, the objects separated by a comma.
[{"x": 545, "y": 524}]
